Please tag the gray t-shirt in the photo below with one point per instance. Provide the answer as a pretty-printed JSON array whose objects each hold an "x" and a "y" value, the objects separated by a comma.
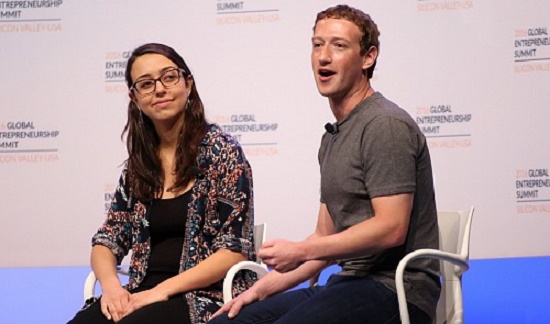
[{"x": 379, "y": 150}]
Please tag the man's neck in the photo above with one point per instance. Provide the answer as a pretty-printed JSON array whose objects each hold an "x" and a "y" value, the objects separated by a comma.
[{"x": 342, "y": 106}]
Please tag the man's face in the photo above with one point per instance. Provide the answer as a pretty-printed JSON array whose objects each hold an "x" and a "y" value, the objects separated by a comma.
[{"x": 335, "y": 57}]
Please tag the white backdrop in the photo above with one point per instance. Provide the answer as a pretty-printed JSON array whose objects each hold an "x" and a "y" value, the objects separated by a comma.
[{"x": 474, "y": 74}]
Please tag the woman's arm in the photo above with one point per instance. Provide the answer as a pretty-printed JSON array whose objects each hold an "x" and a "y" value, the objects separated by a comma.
[
  {"x": 115, "y": 298},
  {"x": 209, "y": 271},
  {"x": 110, "y": 244},
  {"x": 104, "y": 265}
]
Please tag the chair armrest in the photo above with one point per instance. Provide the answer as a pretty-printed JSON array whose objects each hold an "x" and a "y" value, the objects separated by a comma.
[
  {"x": 455, "y": 259},
  {"x": 123, "y": 270},
  {"x": 260, "y": 270},
  {"x": 89, "y": 286}
]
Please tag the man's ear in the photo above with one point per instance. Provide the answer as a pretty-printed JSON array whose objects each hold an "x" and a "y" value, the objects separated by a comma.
[{"x": 370, "y": 57}]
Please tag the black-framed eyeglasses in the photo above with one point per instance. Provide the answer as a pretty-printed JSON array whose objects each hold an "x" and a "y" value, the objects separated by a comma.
[{"x": 168, "y": 79}]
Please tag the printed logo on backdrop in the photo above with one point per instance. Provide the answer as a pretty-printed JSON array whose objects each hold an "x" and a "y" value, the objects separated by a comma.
[
  {"x": 108, "y": 194},
  {"x": 532, "y": 191},
  {"x": 532, "y": 50},
  {"x": 257, "y": 136},
  {"x": 115, "y": 66},
  {"x": 444, "y": 126},
  {"x": 246, "y": 12},
  {"x": 30, "y": 16},
  {"x": 439, "y": 5},
  {"x": 26, "y": 142}
]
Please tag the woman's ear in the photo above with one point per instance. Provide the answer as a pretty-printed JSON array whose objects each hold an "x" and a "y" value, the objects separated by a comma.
[
  {"x": 132, "y": 97},
  {"x": 189, "y": 84}
]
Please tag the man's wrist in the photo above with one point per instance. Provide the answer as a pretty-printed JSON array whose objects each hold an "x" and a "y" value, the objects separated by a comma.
[{"x": 309, "y": 249}]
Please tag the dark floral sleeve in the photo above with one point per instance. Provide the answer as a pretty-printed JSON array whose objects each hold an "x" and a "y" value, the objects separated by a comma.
[
  {"x": 116, "y": 231},
  {"x": 235, "y": 210}
]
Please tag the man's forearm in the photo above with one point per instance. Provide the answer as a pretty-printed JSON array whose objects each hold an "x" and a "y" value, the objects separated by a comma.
[{"x": 275, "y": 282}]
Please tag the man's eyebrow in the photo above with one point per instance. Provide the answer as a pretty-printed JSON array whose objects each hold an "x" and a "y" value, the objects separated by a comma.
[{"x": 330, "y": 38}]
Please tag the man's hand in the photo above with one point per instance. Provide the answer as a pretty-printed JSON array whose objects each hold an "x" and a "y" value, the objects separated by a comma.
[
  {"x": 282, "y": 255},
  {"x": 114, "y": 303},
  {"x": 235, "y": 305},
  {"x": 144, "y": 298}
]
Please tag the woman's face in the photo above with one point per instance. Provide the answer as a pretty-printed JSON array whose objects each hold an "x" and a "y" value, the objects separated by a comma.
[{"x": 160, "y": 99}]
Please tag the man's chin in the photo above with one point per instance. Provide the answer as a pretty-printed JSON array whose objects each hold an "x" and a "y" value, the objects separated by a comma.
[
  {"x": 325, "y": 92},
  {"x": 328, "y": 93}
]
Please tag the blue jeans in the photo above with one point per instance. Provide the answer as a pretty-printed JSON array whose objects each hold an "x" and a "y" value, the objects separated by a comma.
[{"x": 344, "y": 299}]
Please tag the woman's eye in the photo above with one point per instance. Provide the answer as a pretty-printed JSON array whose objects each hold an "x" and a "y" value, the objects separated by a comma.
[{"x": 146, "y": 84}]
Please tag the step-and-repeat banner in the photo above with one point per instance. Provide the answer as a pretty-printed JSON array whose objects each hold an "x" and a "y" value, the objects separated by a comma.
[{"x": 473, "y": 74}]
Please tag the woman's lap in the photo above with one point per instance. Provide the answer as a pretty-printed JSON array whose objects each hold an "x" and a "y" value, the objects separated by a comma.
[{"x": 174, "y": 310}]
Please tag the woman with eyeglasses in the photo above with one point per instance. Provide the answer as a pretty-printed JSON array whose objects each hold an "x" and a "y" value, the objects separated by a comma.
[{"x": 184, "y": 204}]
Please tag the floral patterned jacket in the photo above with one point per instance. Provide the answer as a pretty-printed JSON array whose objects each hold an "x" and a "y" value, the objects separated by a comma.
[{"x": 220, "y": 216}]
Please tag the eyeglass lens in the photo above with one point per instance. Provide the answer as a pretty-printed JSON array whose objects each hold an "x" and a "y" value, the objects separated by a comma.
[{"x": 168, "y": 79}]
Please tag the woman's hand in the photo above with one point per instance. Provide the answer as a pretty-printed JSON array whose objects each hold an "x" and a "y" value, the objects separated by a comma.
[
  {"x": 114, "y": 303},
  {"x": 144, "y": 298}
]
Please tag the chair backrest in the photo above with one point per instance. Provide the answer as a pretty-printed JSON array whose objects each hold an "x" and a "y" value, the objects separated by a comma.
[
  {"x": 260, "y": 231},
  {"x": 454, "y": 237}
]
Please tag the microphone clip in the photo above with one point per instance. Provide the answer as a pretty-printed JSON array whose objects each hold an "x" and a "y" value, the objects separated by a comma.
[{"x": 332, "y": 129}]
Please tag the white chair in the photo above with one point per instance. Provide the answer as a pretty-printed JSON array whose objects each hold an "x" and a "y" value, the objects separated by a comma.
[
  {"x": 258, "y": 267},
  {"x": 453, "y": 253}
]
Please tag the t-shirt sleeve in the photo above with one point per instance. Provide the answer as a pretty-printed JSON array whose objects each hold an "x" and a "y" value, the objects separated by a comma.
[{"x": 389, "y": 153}]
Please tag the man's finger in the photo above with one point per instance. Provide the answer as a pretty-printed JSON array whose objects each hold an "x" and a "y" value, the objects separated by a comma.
[
  {"x": 265, "y": 253},
  {"x": 267, "y": 244},
  {"x": 223, "y": 309},
  {"x": 235, "y": 309}
]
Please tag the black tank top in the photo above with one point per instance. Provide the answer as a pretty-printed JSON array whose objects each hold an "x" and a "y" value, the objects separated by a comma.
[{"x": 167, "y": 226}]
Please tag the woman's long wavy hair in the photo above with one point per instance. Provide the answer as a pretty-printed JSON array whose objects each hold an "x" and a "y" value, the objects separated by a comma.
[{"x": 145, "y": 173}]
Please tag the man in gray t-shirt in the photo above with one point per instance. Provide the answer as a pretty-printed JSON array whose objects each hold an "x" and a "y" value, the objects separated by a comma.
[
  {"x": 377, "y": 200},
  {"x": 378, "y": 151}
]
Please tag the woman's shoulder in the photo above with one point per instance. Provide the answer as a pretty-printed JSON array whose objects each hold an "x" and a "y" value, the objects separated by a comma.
[{"x": 216, "y": 136}]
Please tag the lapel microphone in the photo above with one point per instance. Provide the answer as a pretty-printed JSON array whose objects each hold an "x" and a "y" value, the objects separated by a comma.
[{"x": 331, "y": 128}]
